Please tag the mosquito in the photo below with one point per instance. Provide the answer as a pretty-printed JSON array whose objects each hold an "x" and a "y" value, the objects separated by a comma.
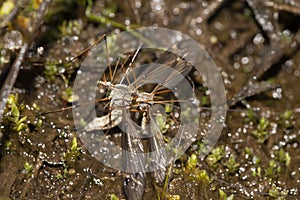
[
  {"x": 125, "y": 95},
  {"x": 124, "y": 85}
]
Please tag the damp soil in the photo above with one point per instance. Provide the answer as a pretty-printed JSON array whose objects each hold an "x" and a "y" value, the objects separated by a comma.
[{"x": 32, "y": 165}]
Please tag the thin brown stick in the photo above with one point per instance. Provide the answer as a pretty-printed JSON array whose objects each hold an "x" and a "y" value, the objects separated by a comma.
[{"x": 284, "y": 7}]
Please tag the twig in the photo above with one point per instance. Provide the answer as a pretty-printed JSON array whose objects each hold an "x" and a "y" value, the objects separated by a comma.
[
  {"x": 265, "y": 19},
  {"x": 284, "y": 7},
  {"x": 276, "y": 51},
  {"x": 212, "y": 8}
]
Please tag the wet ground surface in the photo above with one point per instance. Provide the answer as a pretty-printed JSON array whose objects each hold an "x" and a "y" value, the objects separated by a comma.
[{"x": 257, "y": 154}]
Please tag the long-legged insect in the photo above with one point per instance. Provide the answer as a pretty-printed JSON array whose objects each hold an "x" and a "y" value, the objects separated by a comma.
[{"x": 122, "y": 95}]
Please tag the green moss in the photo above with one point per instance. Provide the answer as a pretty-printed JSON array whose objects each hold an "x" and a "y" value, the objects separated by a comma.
[
  {"x": 223, "y": 195},
  {"x": 202, "y": 177},
  {"x": 283, "y": 157},
  {"x": 250, "y": 116},
  {"x": 28, "y": 168},
  {"x": 275, "y": 193},
  {"x": 286, "y": 119},
  {"x": 68, "y": 95},
  {"x": 215, "y": 156},
  {"x": 192, "y": 162},
  {"x": 70, "y": 28},
  {"x": 12, "y": 115},
  {"x": 73, "y": 153},
  {"x": 51, "y": 71},
  {"x": 256, "y": 171},
  {"x": 232, "y": 165},
  {"x": 114, "y": 197},
  {"x": 59, "y": 176},
  {"x": 273, "y": 170},
  {"x": 261, "y": 133}
]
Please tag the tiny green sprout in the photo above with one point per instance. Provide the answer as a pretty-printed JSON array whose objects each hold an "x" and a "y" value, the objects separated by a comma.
[
  {"x": 283, "y": 157},
  {"x": 28, "y": 168},
  {"x": 168, "y": 107},
  {"x": 192, "y": 162},
  {"x": 69, "y": 96},
  {"x": 12, "y": 113},
  {"x": 73, "y": 152},
  {"x": 69, "y": 28},
  {"x": 205, "y": 101},
  {"x": 248, "y": 153},
  {"x": 232, "y": 165},
  {"x": 39, "y": 123},
  {"x": 248, "y": 150},
  {"x": 261, "y": 133},
  {"x": 51, "y": 71},
  {"x": 275, "y": 193},
  {"x": 8, "y": 144},
  {"x": 215, "y": 156},
  {"x": 74, "y": 148},
  {"x": 66, "y": 171},
  {"x": 15, "y": 113},
  {"x": 114, "y": 197},
  {"x": 287, "y": 159},
  {"x": 287, "y": 119},
  {"x": 256, "y": 160},
  {"x": 36, "y": 107},
  {"x": 256, "y": 171},
  {"x": 202, "y": 176},
  {"x": 250, "y": 116},
  {"x": 59, "y": 176},
  {"x": 273, "y": 169},
  {"x": 223, "y": 195}
]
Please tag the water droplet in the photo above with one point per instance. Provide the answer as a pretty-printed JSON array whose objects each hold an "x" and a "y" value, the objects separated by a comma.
[
  {"x": 259, "y": 39},
  {"x": 245, "y": 60},
  {"x": 138, "y": 4},
  {"x": 127, "y": 22},
  {"x": 176, "y": 11},
  {"x": 233, "y": 34}
]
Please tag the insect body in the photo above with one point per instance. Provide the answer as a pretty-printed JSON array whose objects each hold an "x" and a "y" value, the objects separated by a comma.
[{"x": 121, "y": 98}]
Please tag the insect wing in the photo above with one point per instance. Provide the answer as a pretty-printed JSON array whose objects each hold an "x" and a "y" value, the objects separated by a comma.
[{"x": 134, "y": 183}]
